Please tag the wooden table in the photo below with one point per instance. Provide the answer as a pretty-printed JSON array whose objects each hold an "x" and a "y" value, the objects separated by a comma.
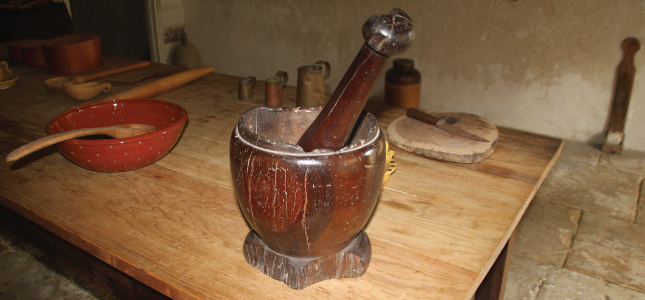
[{"x": 176, "y": 226}]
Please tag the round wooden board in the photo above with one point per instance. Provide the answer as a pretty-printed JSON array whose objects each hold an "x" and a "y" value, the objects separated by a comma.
[{"x": 425, "y": 139}]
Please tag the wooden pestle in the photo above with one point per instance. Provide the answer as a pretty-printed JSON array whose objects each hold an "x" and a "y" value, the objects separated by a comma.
[{"x": 385, "y": 35}]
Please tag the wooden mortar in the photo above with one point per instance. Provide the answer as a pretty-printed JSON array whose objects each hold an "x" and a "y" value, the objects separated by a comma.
[
  {"x": 307, "y": 210},
  {"x": 308, "y": 179}
]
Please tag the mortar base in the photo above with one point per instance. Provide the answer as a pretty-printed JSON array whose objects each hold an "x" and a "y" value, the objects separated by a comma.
[{"x": 300, "y": 272}]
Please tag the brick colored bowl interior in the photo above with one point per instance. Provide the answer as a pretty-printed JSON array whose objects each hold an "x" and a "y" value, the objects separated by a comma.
[{"x": 115, "y": 155}]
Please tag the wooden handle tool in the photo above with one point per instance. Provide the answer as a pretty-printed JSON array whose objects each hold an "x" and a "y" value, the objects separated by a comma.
[
  {"x": 385, "y": 35},
  {"x": 442, "y": 123},
  {"x": 622, "y": 94},
  {"x": 117, "y": 131},
  {"x": 163, "y": 85}
]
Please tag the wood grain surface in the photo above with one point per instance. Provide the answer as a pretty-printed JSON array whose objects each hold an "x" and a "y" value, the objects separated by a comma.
[{"x": 176, "y": 225}]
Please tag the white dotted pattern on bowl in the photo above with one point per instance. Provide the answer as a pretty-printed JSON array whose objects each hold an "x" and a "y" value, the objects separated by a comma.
[{"x": 122, "y": 121}]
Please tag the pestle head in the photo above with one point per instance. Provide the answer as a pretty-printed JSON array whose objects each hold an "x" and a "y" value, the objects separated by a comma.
[{"x": 389, "y": 34}]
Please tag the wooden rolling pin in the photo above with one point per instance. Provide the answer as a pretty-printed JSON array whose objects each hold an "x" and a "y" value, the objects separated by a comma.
[
  {"x": 56, "y": 84},
  {"x": 88, "y": 77},
  {"x": 385, "y": 35},
  {"x": 163, "y": 85}
]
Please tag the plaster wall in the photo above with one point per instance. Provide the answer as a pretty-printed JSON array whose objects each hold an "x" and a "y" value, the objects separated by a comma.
[
  {"x": 541, "y": 66},
  {"x": 170, "y": 16}
]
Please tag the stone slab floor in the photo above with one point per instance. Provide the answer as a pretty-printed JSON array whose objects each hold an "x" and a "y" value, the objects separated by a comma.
[
  {"x": 582, "y": 237},
  {"x": 24, "y": 277}
]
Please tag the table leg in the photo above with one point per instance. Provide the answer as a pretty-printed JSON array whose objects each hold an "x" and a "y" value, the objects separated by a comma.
[{"x": 494, "y": 284}]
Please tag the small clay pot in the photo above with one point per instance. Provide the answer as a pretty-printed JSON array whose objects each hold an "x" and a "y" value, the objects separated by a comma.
[
  {"x": 32, "y": 53},
  {"x": 74, "y": 53},
  {"x": 304, "y": 204},
  {"x": 14, "y": 48}
]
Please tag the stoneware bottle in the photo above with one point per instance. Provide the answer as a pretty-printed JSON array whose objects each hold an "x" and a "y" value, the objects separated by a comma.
[
  {"x": 186, "y": 54},
  {"x": 403, "y": 84}
]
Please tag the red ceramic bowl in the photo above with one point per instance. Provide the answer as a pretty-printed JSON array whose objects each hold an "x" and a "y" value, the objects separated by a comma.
[{"x": 115, "y": 155}]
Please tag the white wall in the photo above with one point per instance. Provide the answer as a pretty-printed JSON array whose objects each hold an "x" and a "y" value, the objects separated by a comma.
[
  {"x": 165, "y": 20},
  {"x": 542, "y": 66}
]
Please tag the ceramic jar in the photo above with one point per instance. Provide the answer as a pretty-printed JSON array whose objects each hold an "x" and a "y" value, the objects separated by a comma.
[{"x": 403, "y": 84}]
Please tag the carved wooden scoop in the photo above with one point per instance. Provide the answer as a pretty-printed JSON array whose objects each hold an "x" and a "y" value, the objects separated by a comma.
[
  {"x": 85, "y": 91},
  {"x": 116, "y": 131}
]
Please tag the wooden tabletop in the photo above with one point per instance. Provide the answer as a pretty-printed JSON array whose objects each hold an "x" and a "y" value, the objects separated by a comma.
[{"x": 176, "y": 226}]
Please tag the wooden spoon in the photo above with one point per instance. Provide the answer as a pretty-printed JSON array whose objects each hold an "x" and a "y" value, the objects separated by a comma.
[
  {"x": 56, "y": 84},
  {"x": 116, "y": 131}
]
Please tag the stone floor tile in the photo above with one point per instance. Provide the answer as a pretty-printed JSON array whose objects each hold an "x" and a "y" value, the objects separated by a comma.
[
  {"x": 609, "y": 249},
  {"x": 546, "y": 231},
  {"x": 24, "y": 278},
  {"x": 630, "y": 161},
  {"x": 525, "y": 276},
  {"x": 565, "y": 284},
  {"x": 609, "y": 192},
  {"x": 640, "y": 214},
  {"x": 581, "y": 152}
]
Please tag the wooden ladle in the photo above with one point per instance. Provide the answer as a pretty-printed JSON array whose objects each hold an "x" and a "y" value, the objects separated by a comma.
[
  {"x": 85, "y": 91},
  {"x": 116, "y": 131},
  {"x": 56, "y": 84}
]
